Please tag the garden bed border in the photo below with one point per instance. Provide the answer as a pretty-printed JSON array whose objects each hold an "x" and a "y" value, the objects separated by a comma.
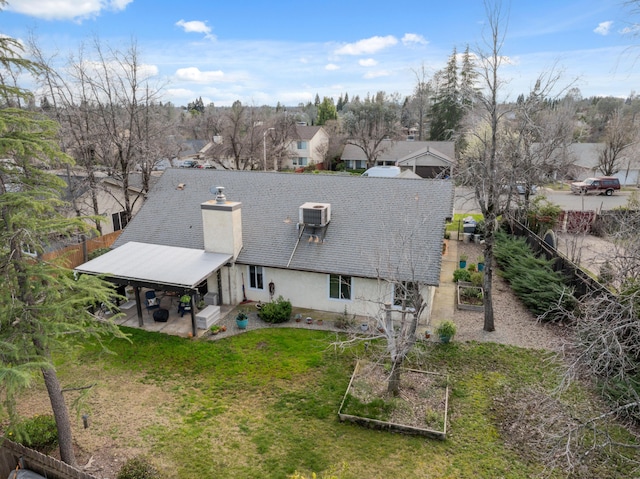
[
  {"x": 468, "y": 307},
  {"x": 393, "y": 427}
]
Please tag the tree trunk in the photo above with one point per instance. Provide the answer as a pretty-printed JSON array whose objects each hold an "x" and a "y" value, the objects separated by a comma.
[
  {"x": 393, "y": 386},
  {"x": 61, "y": 415},
  {"x": 488, "y": 276}
]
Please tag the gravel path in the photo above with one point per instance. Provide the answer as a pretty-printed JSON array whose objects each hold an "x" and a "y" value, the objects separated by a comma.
[{"x": 514, "y": 324}]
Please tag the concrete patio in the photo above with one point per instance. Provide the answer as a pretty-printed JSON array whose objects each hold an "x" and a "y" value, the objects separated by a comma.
[{"x": 443, "y": 308}]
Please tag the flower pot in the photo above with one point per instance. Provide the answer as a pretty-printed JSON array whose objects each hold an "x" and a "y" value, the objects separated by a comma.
[
  {"x": 445, "y": 339},
  {"x": 309, "y": 320},
  {"x": 320, "y": 322},
  {"x": 480, "y": 266},
  {"x": 242, "y": 322},
  {"x": 463, "y": 264},
  {"x": 427, "y": 334},
  {"x": 364, "y": 327}
]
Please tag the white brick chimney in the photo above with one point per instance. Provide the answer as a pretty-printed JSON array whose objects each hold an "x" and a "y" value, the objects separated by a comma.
[{"x": 222, "y": 225}]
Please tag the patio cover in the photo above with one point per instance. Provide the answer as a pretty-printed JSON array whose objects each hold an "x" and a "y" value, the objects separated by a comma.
[{"x": 144, "y": 264}]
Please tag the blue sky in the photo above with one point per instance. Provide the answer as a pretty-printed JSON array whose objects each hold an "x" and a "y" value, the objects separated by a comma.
[{"x": 284, "y": 51}]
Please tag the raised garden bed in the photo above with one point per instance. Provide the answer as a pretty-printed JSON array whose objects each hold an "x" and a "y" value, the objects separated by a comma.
[
  {"x": 420, "y": 409},
  {"x": 469, "y": 297}
]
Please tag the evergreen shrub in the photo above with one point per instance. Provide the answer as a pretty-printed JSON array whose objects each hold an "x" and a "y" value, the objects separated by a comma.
[
  {"x": 277, "y": 311},
  {"x": 532, "y": 279}
]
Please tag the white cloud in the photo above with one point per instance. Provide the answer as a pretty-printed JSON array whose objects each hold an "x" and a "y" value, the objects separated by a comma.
[
  {"x": 377, "y": 74},
  {"x": 413, "y": 38},
  {"x": 193, "y": 74},
  {"x": 368, "y": 62},
  {"x": 367, "y": 46},
  {"x": 77, "y": 10},
  {"x": 603, "y": 28},
  {"x": 196, "y": 26},
  {"x": 332, "y": 67},
  {"x": 632, "y": 30}
]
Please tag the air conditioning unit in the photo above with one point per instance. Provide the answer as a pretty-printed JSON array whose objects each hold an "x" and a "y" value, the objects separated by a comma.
[{"x": 315, "y": 214}]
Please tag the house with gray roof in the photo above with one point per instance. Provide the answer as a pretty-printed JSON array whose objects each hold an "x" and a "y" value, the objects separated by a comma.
[
  {"x": 583, "y": 160},
  {"x": 325, "y": 242},
  {"x": 427, "y": 159}
]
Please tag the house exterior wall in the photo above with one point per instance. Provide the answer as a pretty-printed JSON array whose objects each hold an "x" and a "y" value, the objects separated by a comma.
[
  {"x": 110, "y": 201},
  {"x": 312, "y": 152},
  {"x": 311, "y": 290}
]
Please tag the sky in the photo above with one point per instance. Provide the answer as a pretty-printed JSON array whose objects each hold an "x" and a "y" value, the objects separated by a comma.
[{"x": 264, "y": 53}]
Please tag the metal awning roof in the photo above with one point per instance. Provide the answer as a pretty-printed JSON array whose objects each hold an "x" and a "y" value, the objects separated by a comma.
[{"x": 156, "y": 264}]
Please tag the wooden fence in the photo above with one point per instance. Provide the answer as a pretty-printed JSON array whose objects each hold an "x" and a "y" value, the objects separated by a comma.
[
  {"x": 574, "y": 275},
  {"x": 75, "y": 255},
  {"x": 13, "y": 455}
]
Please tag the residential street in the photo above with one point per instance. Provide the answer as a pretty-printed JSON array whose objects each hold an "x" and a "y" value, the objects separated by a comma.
[{"x": 465, "y": 202}]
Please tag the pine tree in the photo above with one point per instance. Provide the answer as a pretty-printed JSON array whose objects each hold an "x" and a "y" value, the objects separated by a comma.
[
  {"x": 43, "y": 306},
  {"x": 446, "y": 112}
]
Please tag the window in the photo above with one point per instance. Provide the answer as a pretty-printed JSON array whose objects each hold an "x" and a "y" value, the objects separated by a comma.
[
  {"x": 406, "y": 291},
  {"x": 299, "y": 161},
  {"x": 119, "y": 220},
  {"x": 360, "y": 164},
  {"x": 255, "y": 277},
  {"x": 302, "y": 145},
  {"x": 339, "y": 286}
]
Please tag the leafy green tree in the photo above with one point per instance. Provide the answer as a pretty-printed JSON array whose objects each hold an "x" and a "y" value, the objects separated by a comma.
[
  {"x": 43, "y": 307},
  {"x": 326, "y": 111}
]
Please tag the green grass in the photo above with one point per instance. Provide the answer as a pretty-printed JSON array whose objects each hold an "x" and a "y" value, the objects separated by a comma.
[
  {"x": 456, "y": 222},
  {"x": 264, "y": 404}
]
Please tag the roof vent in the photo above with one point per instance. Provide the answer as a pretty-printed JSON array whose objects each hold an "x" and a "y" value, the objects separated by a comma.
[{"x": 315, "y": 214}]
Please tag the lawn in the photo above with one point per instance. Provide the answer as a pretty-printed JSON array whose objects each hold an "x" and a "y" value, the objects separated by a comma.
[
  {"x": 264, "y": 404},
  {"x": 456, "y": 222}
]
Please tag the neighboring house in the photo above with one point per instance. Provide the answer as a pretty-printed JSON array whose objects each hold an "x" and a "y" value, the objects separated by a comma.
[
  {"x": 195, "y": 150},
  {"x": 326, "y": 242},
  {"x": 583, "y": 160},
  {"x": 427, "y": 159},
  {"x": 109, "y": 197},
  {"x": 308, "y": 148}
]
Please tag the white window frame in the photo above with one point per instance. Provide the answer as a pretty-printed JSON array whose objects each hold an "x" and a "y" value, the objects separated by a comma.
[
  {"x": 301, "y": 145},
  {"x": 340, "y": 277},
  {"x": 396, "y": 303},
  {"x": 256, "y": 277}
]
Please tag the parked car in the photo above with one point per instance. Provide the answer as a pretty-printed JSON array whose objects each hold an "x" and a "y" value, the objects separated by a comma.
[
  {"x": 189, "y": 164},
  {"x": 596, "y": 186}
]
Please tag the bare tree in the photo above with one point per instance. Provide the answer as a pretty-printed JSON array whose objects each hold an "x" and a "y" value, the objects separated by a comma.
[
  {"x": 402, "y": 297},
  {"x": 110, "y": 114},
  {"x": 369, "y": 123},
  {"x": 620, "y": 134},
  {"x": 500, "y": 151}
]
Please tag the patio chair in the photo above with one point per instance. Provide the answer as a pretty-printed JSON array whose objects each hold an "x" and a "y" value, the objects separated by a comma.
[{"x": 151, "y": 301}]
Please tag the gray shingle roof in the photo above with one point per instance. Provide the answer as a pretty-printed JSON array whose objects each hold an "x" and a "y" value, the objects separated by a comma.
[
  {"x": 400, "y": 149},
  {"x": 379, "y": 226}
]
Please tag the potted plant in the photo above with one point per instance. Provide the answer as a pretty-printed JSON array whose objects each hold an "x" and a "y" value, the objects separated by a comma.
[
  {"x": 463, "y": 260},
  {"x": 446, "y": 330},
  {"x": 242, "y": 320},
  {"x": 481, "y": 263},
  {"x": 215, "y": 329}
]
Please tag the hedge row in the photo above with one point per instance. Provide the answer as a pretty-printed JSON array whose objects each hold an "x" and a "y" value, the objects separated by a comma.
[{"x": 532, "y": 279}]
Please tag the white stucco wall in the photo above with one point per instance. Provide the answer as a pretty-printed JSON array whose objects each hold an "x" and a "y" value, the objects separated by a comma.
[{"x": 311, "y": 290}]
